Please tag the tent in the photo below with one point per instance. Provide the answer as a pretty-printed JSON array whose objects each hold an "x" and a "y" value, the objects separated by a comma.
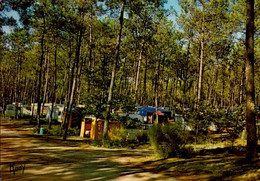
[
  {"x": 144, "y": 111},
  {"x": 132, "y": 116}
]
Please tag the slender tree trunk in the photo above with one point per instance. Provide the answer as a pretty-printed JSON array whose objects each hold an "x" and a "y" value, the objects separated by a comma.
[
  {"x": 241, "y": 86},
  {"x": 195, "y": 89},
  {"x": 16, "y": 92},
  {"x": 201, "y": 57},
  {"x": 250, "y": 89},
  {"x": 156, "y": 89},
  {"x": 91, "y": 46},
  {"x": 24, "y": 98},
  {"x": 215, "y": 87},
  {"x": 211, "y": 90},
  {"x": 121, "y": 84},
  {"x": 46, "y": 80},
  {"x": 62, "y": 98},
  {"x": 166, "y": 91},
  {"x": 74, "y": 83},
  {"x": 144, "y": 86},
  {"x": 40, "y": 77},
  {"x": 222, "y": 92},
  {"x": 138, "y": 72},
  {"x": 55, "y": 86},
  {"x": 19, "y": 91},
  {"x": 121, "y": 19},
  {"x": 68, "y": 84}
]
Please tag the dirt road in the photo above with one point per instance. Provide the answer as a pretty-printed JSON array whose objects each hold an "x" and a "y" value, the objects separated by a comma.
[{"x": 28, "y": 156}]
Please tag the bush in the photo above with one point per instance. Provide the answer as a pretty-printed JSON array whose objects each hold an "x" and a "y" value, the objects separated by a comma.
[
  {"x": 168, "y": 140},
  {"x": 55, "y": 131},
  {"x": 116, "y": 138},
  {"x": 117, "y": 134},
  {"x": 73, "y": 131},
  {"x": 130, "y": 122}
]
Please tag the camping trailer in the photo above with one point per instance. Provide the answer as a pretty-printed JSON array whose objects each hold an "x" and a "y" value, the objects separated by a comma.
[
  {"x": 57, "y": 113},
  {"x": 22, "y": 110},
  {"x": 44, "y": 108}
]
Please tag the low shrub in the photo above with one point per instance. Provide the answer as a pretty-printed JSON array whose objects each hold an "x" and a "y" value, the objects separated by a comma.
[
  {"x": 116, "y": 138},
  {"x": 55, "y": 131},
  {"x": 127, "y": 121},
  {"x": 73, "y": 131},
  {"x": 117, "y": 134},
  {"x": 168, "y": 140}
]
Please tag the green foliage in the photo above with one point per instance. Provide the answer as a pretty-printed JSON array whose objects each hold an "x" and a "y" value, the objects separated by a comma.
[
  {"x": 117, "y": 138},
  {"x": 55, "y": 131},
  {"x": 168, "y": 140},
  {"x": 203, "y": 117},
  {"x": 149, "y": 36},
  {"x": 232, "y": 123},
  {"x": 73, "y": 131},
  {"x": 118, "y": 134},
  {"x": 124, "y": 103},
  {"x": 132, "y": 123},
  {"x": 127, "y": 121}
]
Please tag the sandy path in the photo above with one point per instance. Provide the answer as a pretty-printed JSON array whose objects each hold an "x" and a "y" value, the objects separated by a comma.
[{"x": 49, "y": 158}]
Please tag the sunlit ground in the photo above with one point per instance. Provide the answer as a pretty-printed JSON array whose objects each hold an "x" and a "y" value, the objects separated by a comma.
[{"x": 49, "y": 158}]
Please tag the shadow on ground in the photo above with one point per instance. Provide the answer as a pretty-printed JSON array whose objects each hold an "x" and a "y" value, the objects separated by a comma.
[
  {"x": 50, "y": 158},
  {"x": 215, "y": 164}
]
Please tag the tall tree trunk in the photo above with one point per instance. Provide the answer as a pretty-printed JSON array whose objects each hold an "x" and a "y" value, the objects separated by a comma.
[
  {"x": 91, "y": 46},
  {"x": 46, "y": 80},
  {"x": 222, "y": 104},
  {"x": 16, "y": 91},
  {"x": 25, "y": 97},
  {"x": 241, "y": 86},
  {"x": 138, "y": 72},
  {"x": 74, "y": 83},
  {"x": 144, "y": 85},
  {"x": 156, "y": 88},
  {"x": 201, "y": 56},
  {"x": 215, "y": 91},
  {"x": 121, "y": 83},
  {"x": 165, "y": 102},
  {"x": 250, "y": 89},
  {"x": 68, "y": 83},
  {"x": 121, "y": 19},
  {"x": 55, "y": 85},
  {"x": 40, "y": 76},
  {"x": 19, "y": 84},
  {"x": 66, "y": 72},
  {"x": 211, "y": 90}
]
